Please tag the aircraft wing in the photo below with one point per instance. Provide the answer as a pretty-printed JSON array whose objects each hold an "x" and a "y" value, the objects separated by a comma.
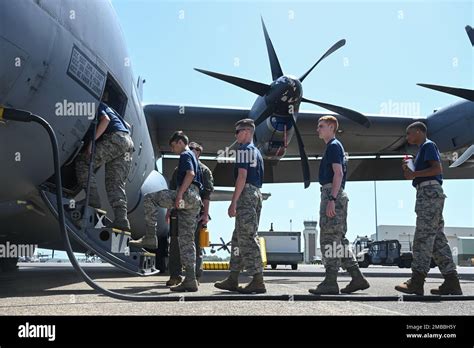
[
  {"x": 289, "y": 171},
  {"x": 213, "y": 127}
]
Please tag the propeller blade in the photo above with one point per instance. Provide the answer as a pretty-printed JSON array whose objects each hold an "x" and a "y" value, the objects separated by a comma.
[
  {"x": 348, "y": 113},
  {"x": 463, "y": 158},
  {"x": 304, "y": 158},
  {"x": 230, "y": 147},
  {"x": 264, "y": 115},
  {"x": 470, "y": 33},
  {"x": 255, "y": 87},
  {"x": 458, "y": 92},
  {"x": 274, "y": 63},
  {"x": 333, "y": 49}
]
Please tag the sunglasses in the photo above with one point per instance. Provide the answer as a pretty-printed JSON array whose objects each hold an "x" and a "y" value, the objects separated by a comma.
[
  {"x": 194, "y": 148},
  {"x": 239, "y": 130}
]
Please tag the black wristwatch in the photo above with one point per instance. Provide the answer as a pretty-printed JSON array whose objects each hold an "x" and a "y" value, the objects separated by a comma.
[{"x": 332, "y": 198}]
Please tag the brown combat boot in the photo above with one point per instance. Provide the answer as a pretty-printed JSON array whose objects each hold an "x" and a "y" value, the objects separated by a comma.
[
  {"x": 189, "y": 284},
  {"x": 121, "y": 221},
  {"x": 414, "y": 285},
  {"x": 450, "y": 285},
  {"x": 174, "y": 281},
  {"x": 329, "y": 285},
  {"x": 358, "y": 281},
  {"x": 149, "y": 240},
  {"x": 256, "y": 286},
  {"x": 121, "y": 225},
  {"x": 231, "y": 283}
]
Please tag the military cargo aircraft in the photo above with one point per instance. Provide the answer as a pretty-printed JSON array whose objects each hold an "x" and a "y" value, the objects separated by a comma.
[{"x": 59, "y": 58}]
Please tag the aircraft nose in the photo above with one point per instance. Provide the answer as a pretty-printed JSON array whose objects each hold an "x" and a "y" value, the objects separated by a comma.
[
  {"x": 12, "y": 61},
  {"x": 27, "y": 50},
  {"x": 13, "y": 58},
  {"x": 17, "y": 175}
]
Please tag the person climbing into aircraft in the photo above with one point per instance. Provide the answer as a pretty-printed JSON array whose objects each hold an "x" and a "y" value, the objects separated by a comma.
[{"x": 114, "y": 148}]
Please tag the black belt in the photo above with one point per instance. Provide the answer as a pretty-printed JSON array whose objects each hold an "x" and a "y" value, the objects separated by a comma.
[{"x": 329, "y": 186}]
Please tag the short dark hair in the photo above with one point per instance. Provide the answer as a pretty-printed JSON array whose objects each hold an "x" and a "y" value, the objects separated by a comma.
[
  {"x": 195, "y": 145},
  {"x": 419, "y": 126},
  {"x": 177, "y": 136}
]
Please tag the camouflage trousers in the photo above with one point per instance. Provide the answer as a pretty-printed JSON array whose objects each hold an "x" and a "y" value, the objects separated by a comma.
[
  {"x": 335, "y": 248},
  {"x": 245, "y": 252},
  {"x": 187, "y": 219},
  {"x": 430, "y": 240},
  {"x": 174, "y": 265},
  {"x": 115, "y": 151}
]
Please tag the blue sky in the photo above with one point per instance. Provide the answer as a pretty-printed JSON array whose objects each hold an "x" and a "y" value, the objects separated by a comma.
[{"x": 390, "y": 47}]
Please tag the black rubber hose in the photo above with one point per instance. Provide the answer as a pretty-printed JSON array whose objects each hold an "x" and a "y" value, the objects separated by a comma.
[
  {"x": 160, "y": 298},
  {"x": 61, "y": 219}
]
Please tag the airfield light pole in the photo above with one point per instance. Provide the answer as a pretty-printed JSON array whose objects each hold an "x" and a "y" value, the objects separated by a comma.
[{"x": 376, "y": 222}]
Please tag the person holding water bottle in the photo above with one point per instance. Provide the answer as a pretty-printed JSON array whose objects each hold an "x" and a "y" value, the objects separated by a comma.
[{"x": 429, "y": 241}]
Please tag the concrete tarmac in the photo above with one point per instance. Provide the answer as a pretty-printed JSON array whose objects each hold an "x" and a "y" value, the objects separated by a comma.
[{"x": 56, "y": 289}]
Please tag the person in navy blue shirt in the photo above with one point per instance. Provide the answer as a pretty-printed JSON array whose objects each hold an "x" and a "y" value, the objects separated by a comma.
[
  {"x": 114, "y": 148},
  {"x": 187, "y": 200},
  {"x": 109, "y": 122},
  {"x": 429, "y": 241},
  {"x": 250, "y": 159},
  {"x": 333, "y": 214},
  {"x": 427, "y": 162},
  {"x": 246, "y": 207},
  {"x": 333, "y": 154}
]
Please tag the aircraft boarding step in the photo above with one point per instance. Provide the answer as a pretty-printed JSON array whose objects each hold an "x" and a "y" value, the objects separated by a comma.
[{"x": 110, "y": 244}]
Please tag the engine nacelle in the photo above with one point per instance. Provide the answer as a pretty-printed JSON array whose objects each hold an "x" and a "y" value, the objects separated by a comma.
[
  {"x": 273, "y": 150},
  {"x": 452, "y": 127},
  {"x": 273, "y": 136},
  {"x": 153, "y": 183}
]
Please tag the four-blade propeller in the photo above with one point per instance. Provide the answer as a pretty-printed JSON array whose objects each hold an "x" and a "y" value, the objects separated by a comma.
[{"x": 273, "y": 94}]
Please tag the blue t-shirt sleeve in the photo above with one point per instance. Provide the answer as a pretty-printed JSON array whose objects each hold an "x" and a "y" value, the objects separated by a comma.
[
  {"x": 431, "y": 153},
  {"x": 102, "y": 110},
  {"x": 185, "y": 162},
  {"x": 334, "y": 154}
]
